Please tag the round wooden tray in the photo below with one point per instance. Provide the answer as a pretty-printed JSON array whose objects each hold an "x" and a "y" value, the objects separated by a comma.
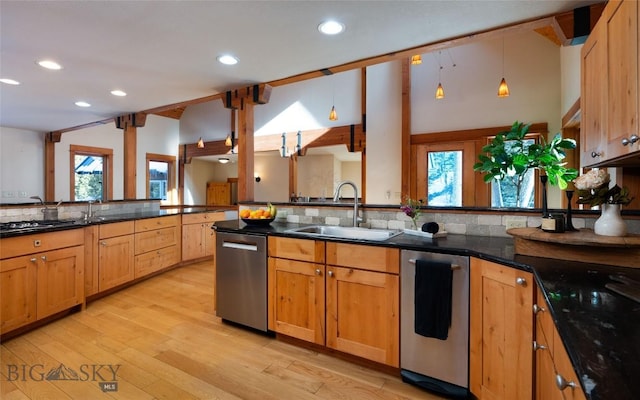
[{"x": 582, "y": 237}]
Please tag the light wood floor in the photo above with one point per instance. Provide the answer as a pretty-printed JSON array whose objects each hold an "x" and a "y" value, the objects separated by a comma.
[{"x": 164, "y": 336}]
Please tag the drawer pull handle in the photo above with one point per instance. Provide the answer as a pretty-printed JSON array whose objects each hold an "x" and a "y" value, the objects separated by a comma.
[
  {"x": 103, "y": 243},
  {"x": 562, "y": 383},
  {"x": 318, "y": 272},
  {"x": 596, "y": 154},
  {"x": 521, "y": 281},
  {"x": 44, "y": 258},
  {"x": 537, "y": 346},
  {"x": 537, "y": 309},
  {"x": 34, "y": 260},
  {"x": 330, "y": 273}
]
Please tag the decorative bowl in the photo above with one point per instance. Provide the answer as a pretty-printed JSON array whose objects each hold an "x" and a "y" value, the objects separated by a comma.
[{"x": 257, "y": 221}]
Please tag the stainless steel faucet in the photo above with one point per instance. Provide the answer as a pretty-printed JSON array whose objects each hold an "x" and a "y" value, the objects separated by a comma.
[
  {"x": 89, "y": 215},
  {"x": 336, "y": 197}
]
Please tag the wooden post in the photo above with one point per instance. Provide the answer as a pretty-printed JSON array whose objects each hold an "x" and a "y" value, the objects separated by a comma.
[
  {"x": 245, "y": 153},
  {"x": 50, "y": 140},
  {"x": 407, "y": 177},
  {"x": 129, "y": 123}
]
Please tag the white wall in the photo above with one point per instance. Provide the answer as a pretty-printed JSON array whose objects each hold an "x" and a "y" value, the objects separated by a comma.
[
  {"x": 21, "y": 165},
  {"x": 569, "y": 76},
  {"x": 158, "y": 136},
  {"x": 531, "y": 69},
  {"x": 274, "y": 177}
]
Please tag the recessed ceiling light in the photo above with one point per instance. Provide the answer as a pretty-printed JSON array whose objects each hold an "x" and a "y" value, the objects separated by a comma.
[
  {"x": 82, "y": 104},
  {"x": 118, "y": 92},
  {"x": 223, "y": 160},
  {"x": 227, "y": 59},
  {"x": 9, "y": 81},
  {"x": 48, "y": 64},
  {"x": 331, "y": 27}
]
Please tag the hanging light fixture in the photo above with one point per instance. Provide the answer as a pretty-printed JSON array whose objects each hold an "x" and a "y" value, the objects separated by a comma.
[
  {"x": 200, "y": 143},
  {"x": 333, "y": 116},
  {"x": 439, "y": 89},
  {"x": 299, "y": 144},
  {"x": 503, "y": 89},
  {"x": 284, "y": 152},
  {"x": 416, "y": 60},
  {"x": 227, "y": 141}
]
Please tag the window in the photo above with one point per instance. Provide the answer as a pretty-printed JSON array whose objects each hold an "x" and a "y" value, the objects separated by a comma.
[
  {"x": 91, "y": 171},
  {"x": 444, "y": 178},
  {"x": 444, "y": 174},
  {"x": 504, "y": 192},
  {"x": 161, "y": 177}
]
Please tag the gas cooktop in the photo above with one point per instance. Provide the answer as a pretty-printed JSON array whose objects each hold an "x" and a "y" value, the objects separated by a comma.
[{"x": 23, "y": 226}]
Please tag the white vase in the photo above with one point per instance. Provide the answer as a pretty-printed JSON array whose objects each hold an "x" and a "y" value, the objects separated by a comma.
[{"x": 610, "y": 223}]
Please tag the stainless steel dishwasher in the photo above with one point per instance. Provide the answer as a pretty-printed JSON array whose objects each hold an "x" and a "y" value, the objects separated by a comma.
[
  {"x": 241, "y": 279},
  {"x": 438, "y": 365}
]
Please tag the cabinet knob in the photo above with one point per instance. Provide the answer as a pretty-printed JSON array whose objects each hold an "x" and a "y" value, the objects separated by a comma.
[
  {"x": 538, "y": 346},
  {"x": 44, "y": 258},
  {"x": 625, "y": 141},
  {"x": 634, "y": 138},
  {"x": 521, "y": 281},
  {"x": 330, "y": 273},
  {"x": 596, "y": 155},
  {"x": 562, "y": 383},
  {"x": 33, "y": 260},
  {"x": 537, "y": 309},
  {"x": 318, "y": 272},
  {"x": 103, "y": 243}
]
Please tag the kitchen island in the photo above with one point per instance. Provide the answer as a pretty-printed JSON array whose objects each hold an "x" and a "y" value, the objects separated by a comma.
[{"x": 598, "y": 327}]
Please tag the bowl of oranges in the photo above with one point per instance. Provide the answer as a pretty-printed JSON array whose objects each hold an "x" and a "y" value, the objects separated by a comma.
[{"x": 260, "y": 216}]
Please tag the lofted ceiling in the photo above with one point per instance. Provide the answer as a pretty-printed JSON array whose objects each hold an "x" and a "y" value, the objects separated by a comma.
[{"x": 164, "y": 52}]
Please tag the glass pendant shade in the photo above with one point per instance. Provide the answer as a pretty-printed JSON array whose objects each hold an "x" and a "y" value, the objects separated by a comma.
[
  {"x": 440, "y": 91},
  {"x": 503, "y": 89},
  {"x": 200, "y": 143},
  {"x": 333, "y": 116},
  {"x": 227, "y": 141},
  {"x": 416, "y": 60}
]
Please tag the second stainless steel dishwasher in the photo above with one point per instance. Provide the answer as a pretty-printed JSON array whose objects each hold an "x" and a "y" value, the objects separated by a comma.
[{"x": 241, "y": 279}]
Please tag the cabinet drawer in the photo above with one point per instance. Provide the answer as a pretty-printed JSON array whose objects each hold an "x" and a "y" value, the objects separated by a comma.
[
  {"x": 115, "y": 229},
  {"x": 38, "y": 242},
  {"x": 202, "y": 218},
  {"x": 156, "y": 239},
  {"x": 372, "y": 258},
  {"x": 156, "y": 260},
  {"x": 143, "y": 225},
  {"x": 296, "y": 249}
]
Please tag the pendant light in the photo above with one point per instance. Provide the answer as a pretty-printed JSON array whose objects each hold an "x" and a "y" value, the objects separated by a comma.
[
  {"x": 227, "y": 141},
  {"x": 503, "y": 89},
  {"x": 416, "y": 60},
  {"x": 333, "y": 115},
  {"x": 200, "y": 143},
  {"x": 439, "y": 89}
]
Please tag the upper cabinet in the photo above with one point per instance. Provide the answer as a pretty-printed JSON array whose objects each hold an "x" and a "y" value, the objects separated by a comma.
[{"x": 610, "y": 86}]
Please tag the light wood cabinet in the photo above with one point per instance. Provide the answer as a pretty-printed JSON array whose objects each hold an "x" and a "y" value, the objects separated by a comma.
[
  {"x": 219, "y": 193},
  {"x": 350, "y": 303},
  {"x": 198, "y": 239},
  {"x": 501, "y": 331},
  {"x": 609, "y": 88},
  {"x": 363, "y": 295},
  {"x": 157, "y": 244},
  {"x": 36, "y": 284},
  {"x": 115, "y": 254},
  {"x": 296, "y": 288},
  {"x": 553, "y": 365}
]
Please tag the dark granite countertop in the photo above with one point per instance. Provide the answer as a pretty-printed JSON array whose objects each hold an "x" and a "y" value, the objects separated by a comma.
[{"x": 599, "y": 328}]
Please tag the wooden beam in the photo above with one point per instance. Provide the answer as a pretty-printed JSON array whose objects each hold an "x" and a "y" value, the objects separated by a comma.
[
  {"x": 175, "y": 113},
  {"x": 245, "y": 153},
  {"x": 256, "y": 94},
  {"x": 470, "y": 134},
  {"x": 572, "y": 117},
  {"x": 136, "y": 120},
  {"x": 363, "y": 158},
  {"x": 50, "y": 141},
  {"x": 293, "y": 175},
  {"x": 406, "y": 129}
]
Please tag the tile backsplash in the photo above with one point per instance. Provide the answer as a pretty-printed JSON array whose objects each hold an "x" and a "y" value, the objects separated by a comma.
[{"x": 77, "y": 210}]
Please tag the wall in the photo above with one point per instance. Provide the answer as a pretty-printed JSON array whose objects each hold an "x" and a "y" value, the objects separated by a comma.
[
  {"x": 158, "y": 136},
  {"x": 21, "y": 165},
  {"x": 570, "y": 62},
  {"x": 273, "y": 172}
]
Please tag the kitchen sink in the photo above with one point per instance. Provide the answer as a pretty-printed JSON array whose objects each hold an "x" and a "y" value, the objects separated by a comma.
[{"x": 346, "y": 232}]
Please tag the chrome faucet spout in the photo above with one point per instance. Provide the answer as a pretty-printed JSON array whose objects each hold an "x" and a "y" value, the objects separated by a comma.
[{"x": 336, "y": 197}]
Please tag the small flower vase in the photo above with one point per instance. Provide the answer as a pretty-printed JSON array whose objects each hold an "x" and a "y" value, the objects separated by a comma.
[{"x": 610, "y": 223}]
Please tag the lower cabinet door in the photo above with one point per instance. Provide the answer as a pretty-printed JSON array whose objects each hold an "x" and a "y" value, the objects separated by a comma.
[
  {"x": 60, "y": 280},
  {"x": 115, "y": 261},
  {"x": 17, "y": 292},
  {"x": 296, "y": 293},
  {"x": 363, "y": 314}
]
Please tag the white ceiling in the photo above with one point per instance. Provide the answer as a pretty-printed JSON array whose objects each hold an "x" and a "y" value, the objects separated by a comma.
[{"x": 164, "y": 52}]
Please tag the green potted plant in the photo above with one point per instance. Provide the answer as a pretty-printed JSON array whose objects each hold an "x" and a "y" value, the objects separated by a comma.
[{"x": 509, "y": 157}]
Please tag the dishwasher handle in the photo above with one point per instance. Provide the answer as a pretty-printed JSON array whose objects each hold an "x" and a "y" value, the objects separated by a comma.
[{"x": 240, "y": 246}]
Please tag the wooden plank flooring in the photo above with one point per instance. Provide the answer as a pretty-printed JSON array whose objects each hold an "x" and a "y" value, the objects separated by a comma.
[{"x": 163, "y": 337}]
